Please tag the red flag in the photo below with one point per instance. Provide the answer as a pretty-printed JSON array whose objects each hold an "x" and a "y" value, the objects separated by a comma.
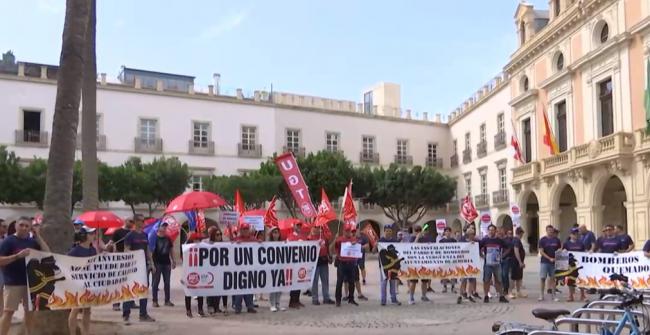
[
  {"x": 549, "y": 138},
  {"x": 514, "y": 142},
  {"x": 325, "y": 209},
  {"x": 349, "y": 212},
  {"x": 270, "y": 217},
  {"x": 467, "y": 210},
  {"x": 289, "y": 169},
  {"x": 239, "y": 203}
]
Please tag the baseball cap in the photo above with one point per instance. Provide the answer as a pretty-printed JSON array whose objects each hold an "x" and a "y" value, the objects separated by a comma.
[
  {"x": 349, "y": 228},
  {"x": 575, "y": 230},
  {"x": 388, "y": 226},
  {"x": 88, "y": 230},
  {"x": 77, "y": 222},
  {"x": 244, "y": 225}
]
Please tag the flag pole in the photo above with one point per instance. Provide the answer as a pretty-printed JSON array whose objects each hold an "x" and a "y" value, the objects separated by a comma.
[{"x": 345, "y": 194}]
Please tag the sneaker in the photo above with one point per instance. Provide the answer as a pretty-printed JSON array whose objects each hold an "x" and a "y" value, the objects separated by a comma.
[
  {"x": 411, "y": 302},
  {"x": 352, "y": 302},
  {"x": 274, "y": 309},
  {"x": 512, "y": 296},
  {"x": 503, "y": 300},
  {"x": 396, "y": 303},
  {"x": 430, "y": 290},
  {"x": 155, "y": 304},
  {"x": 238, "y": 311},
  {"x": 425, "y": 299},
  {"x": 315, "y": 303},
  {"x": 363, "y": 298},
  {"x": 475, "y": 295},
  {"x": 202, "y": 314},
  {"x": 169, "y": 304},
  {"x": 282, "y": 309},
  {"x": 490, "y": 295},
  {"x": 522, "y": 295},
  {"x": 383, "y": 303},
  {"x": 459, "y": 300},
  {"x": 486, "y": 299},
  {"x": 556, "y": 299},
  {"x": 189, "y": 314},
  {"x": 453, "y": 289},
  {"x": 541, "y": 298},
  {"x": 338, "y": 304},
  {"x": 444, "y": 289},
  {"x": 251, "y": 310},
  {"x": 470, "y": 298},
  {"x": 117, "y": 308},
  {"x": 300, "y": 305},
  {"x": 126, "y": 320},
  {"x": 307, "y": 293},
  {"x": 328, "y": 302},
  {"x": 147, "y": 318}
]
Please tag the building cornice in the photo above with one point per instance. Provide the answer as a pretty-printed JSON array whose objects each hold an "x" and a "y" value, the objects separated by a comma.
[
  {"x": 478, "y": 103},
  {"x": 524, "y": 97}
]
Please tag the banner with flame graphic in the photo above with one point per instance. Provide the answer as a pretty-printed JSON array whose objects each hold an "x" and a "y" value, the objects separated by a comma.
[
  {"x": 594, "y": 269},
  {"x": 431, "y": 260},
  {"x": 64, "y": 282}
]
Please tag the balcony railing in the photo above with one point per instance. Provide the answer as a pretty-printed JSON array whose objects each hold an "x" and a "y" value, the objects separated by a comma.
[
  {"x": 434, "y": 162},
  {"x": 500, "y": 198},
  {"x": 403, "y": 160},
  {"x": 482, "y": 200},
  {"x": 249, "y": 150},
  {"x": 101, "y": 142},
  {"x": 148, "y": 145},
  {"x": 297, "y": 151},
  {"x": 369, "y": 157},
  {"x": 453, "y": 160},
  {"x": 526, "y": 172},
  {"x": 500, "y": 140},
  {"x": 481, "y": 149},
  {"x": 31, "y": 138},
  {"x": 201, "y": 147},
  {"x": 643, "y": 139},
  {"x": 467, "y": 155}
]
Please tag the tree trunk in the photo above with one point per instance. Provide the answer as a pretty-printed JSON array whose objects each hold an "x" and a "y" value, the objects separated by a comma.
[
  {"x": 57, "y": 228},
  {"x": 90, "y": 183}
]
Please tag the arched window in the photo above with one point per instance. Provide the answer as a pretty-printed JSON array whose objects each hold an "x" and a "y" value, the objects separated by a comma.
[
  {"x": 559, "y": 62},
  {"x": 524, "y": 84},
  {"x": 604, "y": 33}
]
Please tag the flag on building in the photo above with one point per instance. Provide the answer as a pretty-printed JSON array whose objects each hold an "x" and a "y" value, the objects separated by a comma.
[
  {"x": 349, "y": 212},
  {"x": 514, "y": 142},
  {"x": 647, "y": 98},
  {"x": 270, "y": 217},
  {"x": 549, "y": 138},
  {"x": 239, "y": 203},
  {"x": 325, "y": 209},
  {"x": 467, "y": 210}
]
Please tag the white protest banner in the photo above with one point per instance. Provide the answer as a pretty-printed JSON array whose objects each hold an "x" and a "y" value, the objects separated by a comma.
[
  {"x": 229, "y": 218},
  {"x": 248, "y": 268},
  {"x": 64, "y": 282},
  {"x": 256, "y": 221},
  {"x": 594, "y": 269},
  {"x": 351, "y": 250},
  {"x": 433, "y": 260}
]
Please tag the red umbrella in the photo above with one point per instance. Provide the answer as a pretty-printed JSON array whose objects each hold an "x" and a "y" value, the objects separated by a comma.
[
  {"x": 195, "y": 200},
  {"x": 100, "y": 219}
]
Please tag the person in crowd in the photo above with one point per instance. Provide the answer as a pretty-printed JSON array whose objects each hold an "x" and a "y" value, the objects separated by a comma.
[
  {"x": 3, "y": 235},
  {"x": 547, "y": 247},
  {"x": 506, "y": 258},
  {"x": 84, "y": 248},
  {"x": 627, "y": 244},
  {"x": 646, "y": 248},
  {"x": 608, "y": 243},
  {"x": 136, "y": 239},
  {"x": 447, "y": 238},
  {"x": 517, "y": 264},
  {"x": 492, "y": 247},
  {"x": 361, "y": 264},
  {"x": 118, "y": 244},
  {"x": 296, "y": 235},
  {"x": 164, "y": 263},
  {"x": 215, "y": 235},
  {"x": 322, "y": 267},
  {"x": 11, "y": 228},
  {"x": 194, "y": 237},
  {"x": 13, "y": 250},
  {"x": 574, "y": 244},
  {"x": 274, "y": 297},
  {"x": 587, "y": 237},
  {"x": 245, "y": 236},
  {"x": 468, "y": 285},
  {"x": 346, "y": 267},
  {"x": 422, "y": 236},
  {"x": 389, "y": 278}
]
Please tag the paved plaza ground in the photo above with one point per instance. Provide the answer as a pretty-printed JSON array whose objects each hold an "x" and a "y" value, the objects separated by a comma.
[{"x": 442, "y": 316}]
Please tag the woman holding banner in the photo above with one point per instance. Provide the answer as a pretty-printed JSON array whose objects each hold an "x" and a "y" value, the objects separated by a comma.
[
  {"x": 84, "y": 248},
  {"x": 274, "y": 297},
  {"x": 195, "y": 237},
  {"x": 215, "y": 235}
]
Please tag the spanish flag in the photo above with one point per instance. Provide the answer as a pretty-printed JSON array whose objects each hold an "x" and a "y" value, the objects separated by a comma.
[{"x": 549, "y": 139}]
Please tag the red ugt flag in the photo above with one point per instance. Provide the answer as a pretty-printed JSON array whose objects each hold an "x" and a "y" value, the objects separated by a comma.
[
  {"x": 325, "y": 209},
  {"x": 270, "y": 217},
  {"x": 289, "y": 169},
  {"x": 349, "y": 212}
]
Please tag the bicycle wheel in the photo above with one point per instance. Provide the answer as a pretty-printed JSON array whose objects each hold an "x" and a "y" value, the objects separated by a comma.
[{"x": 513, "y": 332}]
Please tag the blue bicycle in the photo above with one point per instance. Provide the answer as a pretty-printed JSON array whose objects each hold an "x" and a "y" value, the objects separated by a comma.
[{"x": 631, "y": 300}]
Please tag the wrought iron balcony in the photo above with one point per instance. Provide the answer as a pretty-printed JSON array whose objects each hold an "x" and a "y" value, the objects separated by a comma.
[
  {"x": 369, "y": 157},
  {"x": 482, "y": 200},
  {"x": 101, "y": 142},
  {"x": 297, "y": 151},
  {"x": 201, "y": 147},
  {"x": 148, "y": 145},
  {"x": 467, "y": 155},
  {"x": 249, "y": 150},
  {"x": 453, "y": 160},
  {"x": 31, "y": 138},
  {"x": 481, "y": 149},
  {"x": 500, "y": 198},
  {"x": 500, "y": 140},
  {"x": 403, "y": 160},
  {"x": 434, "y": 162}
]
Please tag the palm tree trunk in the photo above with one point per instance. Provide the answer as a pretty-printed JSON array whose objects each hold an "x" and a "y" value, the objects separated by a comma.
[
  {"x": 57, "y": 228},
  {"x": 90, "y": 183}
]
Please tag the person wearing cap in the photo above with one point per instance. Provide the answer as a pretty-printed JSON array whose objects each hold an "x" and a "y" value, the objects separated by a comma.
[
  {"x": 296, "y": 235},
  {"x": 608, "y": 243},
  {"x": 274, "y": 297},
  {"x": 389, "y": 278},
  {"x": 627, "y": 244},
  {"x": 322, "y": 267},
  {"x": 138, "y": 240},
  {"x": 84, "y": 248},
  {"x": 574, "y": 245},
  {"x": 346, "y": 266},
  {"x": 244, "y": 236},
  {"x": 13, "y": 251},
  {"x": 164, "y": 263},
  {"x": 547, "y": 247}
]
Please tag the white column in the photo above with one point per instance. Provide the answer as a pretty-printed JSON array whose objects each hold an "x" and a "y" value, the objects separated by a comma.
[{"x": 638, "y": 225}]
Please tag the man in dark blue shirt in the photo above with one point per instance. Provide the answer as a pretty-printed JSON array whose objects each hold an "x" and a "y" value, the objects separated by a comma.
[
  {"x": 587, "y": 237},
  {"x": 646, "y": 248},
  {"x": 491, "y": 248},
  {"x": 608, "y": 243},
  {"x": 138, "y": 240},
  {"x": 547, "y": 247},
  {"x": 446, "y": 238},
  {"x": 390, "y": 277},
  {"x": 13, "y": 251},
  {"x": 627, "y": 244},
  {"x": 83, "y": 248}
]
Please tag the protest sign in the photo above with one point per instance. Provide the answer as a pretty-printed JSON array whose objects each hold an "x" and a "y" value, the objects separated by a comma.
[
  {"x": 289, "y": 169},
  {"x": 256, "y": 221},
  {"x": 561, "y": 260},
  {"x": 594, "y": 269},
  {"x": 351, "y": 250},
  {"x": 229, "y": 218},
  {"x": 64, "y": 282},
  {"x": 434, "y": 260},
  {"x": 248, "y": 268}
]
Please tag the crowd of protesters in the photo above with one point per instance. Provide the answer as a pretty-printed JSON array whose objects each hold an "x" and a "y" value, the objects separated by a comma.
[{"x": 502, "y": 252}]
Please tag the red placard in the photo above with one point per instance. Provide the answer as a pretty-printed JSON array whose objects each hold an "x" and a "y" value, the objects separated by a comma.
[{"x": 289, "y": 169}]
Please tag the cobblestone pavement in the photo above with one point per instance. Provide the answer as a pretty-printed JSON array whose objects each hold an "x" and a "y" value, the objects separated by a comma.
[{"x": 442, "y": 316}]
